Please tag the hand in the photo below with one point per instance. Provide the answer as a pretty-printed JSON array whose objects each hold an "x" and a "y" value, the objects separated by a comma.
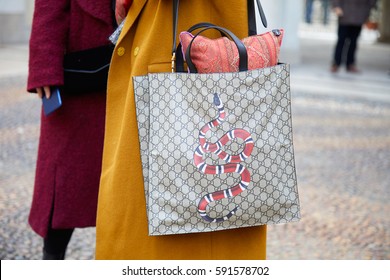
[
  {"x": 338, "y": 11},
  {"x": 43, "y": 90},
  {"x": 121, "y": 9}
]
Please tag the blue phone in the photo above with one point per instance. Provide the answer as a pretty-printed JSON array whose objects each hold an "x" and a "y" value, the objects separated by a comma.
[{"x": 53, "y": 103}]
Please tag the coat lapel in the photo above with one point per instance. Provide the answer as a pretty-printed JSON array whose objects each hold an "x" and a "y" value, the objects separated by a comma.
[{"x": 135, "y": 10}]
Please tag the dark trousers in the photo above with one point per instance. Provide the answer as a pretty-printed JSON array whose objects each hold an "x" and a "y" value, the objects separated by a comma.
[
  {"x": 308, "y": 10},
  {"x": 346, "y": 44},
  {"x": 55, "y": 243}
]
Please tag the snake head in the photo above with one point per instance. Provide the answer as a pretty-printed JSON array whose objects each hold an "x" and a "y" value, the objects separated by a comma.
[{"x": 217, "y": 100}]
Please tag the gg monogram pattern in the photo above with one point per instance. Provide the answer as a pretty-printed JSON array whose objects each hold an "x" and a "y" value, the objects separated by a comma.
[{"x": 171, "y": 110}]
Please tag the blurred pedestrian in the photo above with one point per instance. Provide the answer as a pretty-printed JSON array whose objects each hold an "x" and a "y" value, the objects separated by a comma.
[
  {"x": 325, "y": 11},
  {"x": 145, "y": 46},
  {"x": 352, "y": 14},
  {"x": 309, "y": 11},
  {"x": 71, "y": 138}
]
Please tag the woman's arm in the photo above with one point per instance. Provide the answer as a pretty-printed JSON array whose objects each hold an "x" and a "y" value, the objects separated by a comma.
[
  {"x": 47, "y": 44},
  {"x": 337, "y": 8}
]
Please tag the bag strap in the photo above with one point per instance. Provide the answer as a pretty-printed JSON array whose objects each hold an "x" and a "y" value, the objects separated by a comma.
[
  {"x": 252, "y": 28},
  {"x": 251, "y": 23},
  {"x": 262, "y": 14},
  {"x": 175, "y": 13},
  {"x": 179, "y": 62}
]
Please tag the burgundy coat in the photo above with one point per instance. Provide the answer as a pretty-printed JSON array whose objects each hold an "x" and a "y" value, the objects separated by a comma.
[{"x": 71, "y": 140}]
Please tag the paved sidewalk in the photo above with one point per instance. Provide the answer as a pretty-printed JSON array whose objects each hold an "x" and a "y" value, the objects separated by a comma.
[
  {"x": 13, "y": 60},
  {"x": 341, "y": 126}
]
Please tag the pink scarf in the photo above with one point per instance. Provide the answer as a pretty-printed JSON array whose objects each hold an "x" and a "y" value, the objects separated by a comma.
[{"x": 121, "y": 9}]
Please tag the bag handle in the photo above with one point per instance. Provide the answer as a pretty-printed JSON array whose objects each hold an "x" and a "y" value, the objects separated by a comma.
[
  {"x": 262, "y": 14},
  {"x": 251, "y": 24},
  {"x": 175, "y": 17},
  {"x": 252, "y": 28},
  {"x": 179, "y": 53},
  {"x": 243, "y": 55}
]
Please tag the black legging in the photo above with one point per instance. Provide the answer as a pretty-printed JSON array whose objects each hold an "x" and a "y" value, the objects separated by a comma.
[
  {"x": 56, "y": 242},
  {"x": 346, "y": 44}
]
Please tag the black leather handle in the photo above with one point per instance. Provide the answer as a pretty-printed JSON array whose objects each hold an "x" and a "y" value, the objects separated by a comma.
[
  {"x": 243, "y": 55},
  {"x": 262, "y": 14},
  {"x": 175, "y": 17},
  {"x": 179, "y": 52},
  {"x": 251, "y": 19},
  {"x": 251, "y": 28}
]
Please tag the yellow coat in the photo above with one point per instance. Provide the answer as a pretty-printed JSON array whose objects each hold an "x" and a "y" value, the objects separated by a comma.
[{"x": 145, "y": 46}]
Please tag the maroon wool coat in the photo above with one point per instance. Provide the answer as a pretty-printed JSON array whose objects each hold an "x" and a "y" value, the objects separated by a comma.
[{"x": 71, "y": 140}]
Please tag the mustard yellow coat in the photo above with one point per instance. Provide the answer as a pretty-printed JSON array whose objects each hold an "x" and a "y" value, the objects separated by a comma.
[{"x": 145, "y": 46}]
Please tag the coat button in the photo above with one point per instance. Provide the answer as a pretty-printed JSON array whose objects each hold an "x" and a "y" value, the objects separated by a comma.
[
  {"x": 136, "y": 51},
  {"x": 121, "y": 51}
]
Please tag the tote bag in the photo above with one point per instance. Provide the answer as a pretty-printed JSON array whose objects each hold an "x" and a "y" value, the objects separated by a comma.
[{"x": 217, "y": 149}]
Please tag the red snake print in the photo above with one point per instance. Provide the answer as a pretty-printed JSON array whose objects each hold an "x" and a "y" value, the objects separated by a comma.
[{"x": 232, "y": 162}]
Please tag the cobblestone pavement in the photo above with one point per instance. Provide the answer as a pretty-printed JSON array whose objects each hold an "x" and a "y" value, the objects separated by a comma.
[
  {"x": 341, "y": 131},
  {"x": 342, "y": 142},
  {"x": 19, "y": 132}
]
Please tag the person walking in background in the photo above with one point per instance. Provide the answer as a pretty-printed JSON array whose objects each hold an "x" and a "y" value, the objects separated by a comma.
[
  {"x": 144, "y": 46},
  {"x": 309, "y": 11},
  {"x": 71, "y": 138},
  {"x": 352, "y": 14},
  {"x": 325, "y": 11}
]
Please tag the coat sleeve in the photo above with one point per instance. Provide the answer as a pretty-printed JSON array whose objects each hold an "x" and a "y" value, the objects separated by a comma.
[{"x": 47, "y": 43}]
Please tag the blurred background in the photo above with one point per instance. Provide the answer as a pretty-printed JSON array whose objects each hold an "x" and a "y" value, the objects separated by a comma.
[{"x": 341, "y": 125}]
